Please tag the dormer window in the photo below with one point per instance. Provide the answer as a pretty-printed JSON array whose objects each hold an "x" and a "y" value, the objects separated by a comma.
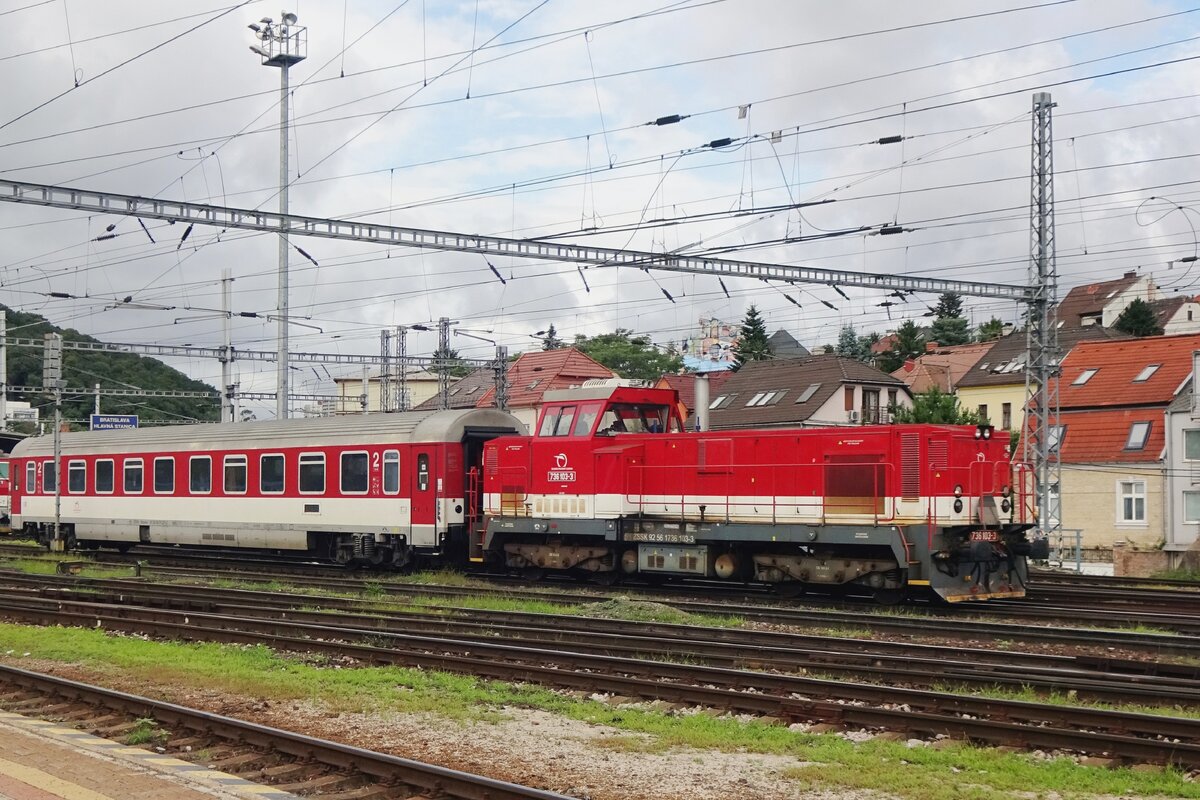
[
  {"x": 1084, "y": 377},
  {"x": 1145, "y": 374},
  {"x": 1139, "y": 432}
]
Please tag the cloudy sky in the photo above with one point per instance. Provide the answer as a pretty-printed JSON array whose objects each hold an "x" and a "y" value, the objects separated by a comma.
[{"x": 528, "y": 118}]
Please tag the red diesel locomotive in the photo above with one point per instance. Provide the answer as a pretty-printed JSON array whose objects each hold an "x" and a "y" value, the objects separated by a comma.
[{"x": 608, "y": 486}]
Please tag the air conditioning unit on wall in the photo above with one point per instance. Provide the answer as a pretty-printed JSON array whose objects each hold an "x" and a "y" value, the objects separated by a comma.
[{"x": 853, "y": 415}]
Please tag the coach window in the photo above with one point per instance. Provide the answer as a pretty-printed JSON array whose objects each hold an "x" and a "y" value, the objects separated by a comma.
[
  {"x": 164, "y": 475},
  {"x": 354, "y": 473},
  {"x": 422, "y": 472},
  {"x": 49, "y": 477},
  {"x": 133, "y": 476},
  {"x": 200, "y": 475},
  {"x": 391, "y": 472},
  {"x": 312, "y": 473},
  {"x": 235, "y": 474},
  {"x": 30, "y": 478},
  {"x": 77, "y": 477},
  {"x": 104, "y": 476},
  {"x": 270, "y": 474}
]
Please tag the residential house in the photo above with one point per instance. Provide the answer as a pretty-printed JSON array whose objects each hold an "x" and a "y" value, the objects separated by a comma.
[
  {"x": 941, "y": 367},
  {"x": 995, "y": 386},
  {"x": 1182, "y": 459},
  {"x": 420, "y": 385},
  {"x": 1101, "y": 304},
  {"x": 816, "y": 391},
  {"x": 529, "y": 378},
  {"x": 1113, "y": 401}
]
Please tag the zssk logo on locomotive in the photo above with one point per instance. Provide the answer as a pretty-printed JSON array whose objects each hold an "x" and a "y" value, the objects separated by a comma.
[{"x": 562, "y": 472}]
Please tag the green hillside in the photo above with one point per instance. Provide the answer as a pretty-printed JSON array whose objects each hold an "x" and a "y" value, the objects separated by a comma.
[{"x": 110, "y": 370}]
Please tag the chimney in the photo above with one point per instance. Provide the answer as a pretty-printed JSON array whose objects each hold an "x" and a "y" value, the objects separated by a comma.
[
  {"x": 910, "y": 365},
  {"x": 1131, "y": 274},
  {"x": 701, "y": 394},
  {"x": 931, "y": 346},
  {"x": 1007, "y": 328}
]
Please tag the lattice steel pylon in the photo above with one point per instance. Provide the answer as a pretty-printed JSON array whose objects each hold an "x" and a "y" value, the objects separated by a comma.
[
  {"x": 386, "y": 377},
  {"x": 1041, "y": 442}
]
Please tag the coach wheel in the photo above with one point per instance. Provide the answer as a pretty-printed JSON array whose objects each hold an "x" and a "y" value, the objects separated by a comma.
[
  {"x": 533, "y": 574},
  {"x": 124, "y": 547},
  {"x": 607, "y": 578},
  {"x": 888, "y": 597}
]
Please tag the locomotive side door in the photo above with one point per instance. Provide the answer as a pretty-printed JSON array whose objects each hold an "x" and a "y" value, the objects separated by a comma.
[{"x": 423, "y": 491}]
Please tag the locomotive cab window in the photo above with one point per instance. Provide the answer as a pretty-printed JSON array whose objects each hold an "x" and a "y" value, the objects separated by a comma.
[
  {"x": 312, "y": 473},
  {"x": 49, "y": 477},
  {"x": 105, "y": 476},
  {"x": 164, "y": 475},
  {"x": 585, "y": 419},
  {"x": 235, "y": 474},
  {"x": 391, "y": 472},
  {"x": 355, "y": 473},
  {"x": 200, "y": 475},
  {"x": 557, "y": 421},
  {"x": 30, "y": 478},
  {"x": 270, "y": 474},
  {"x": 632, "y": 418},
  {"x": 422, "y": 472},
  {"x": 133, "y": 476},
  {"x": 77, "y": 477}
]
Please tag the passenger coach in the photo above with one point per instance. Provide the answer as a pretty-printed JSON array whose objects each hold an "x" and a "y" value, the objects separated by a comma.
[{"x": 379, "y": 489}]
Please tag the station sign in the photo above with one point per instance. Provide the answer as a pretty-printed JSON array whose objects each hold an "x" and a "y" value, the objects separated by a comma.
[{"x": 113, "y": 422}]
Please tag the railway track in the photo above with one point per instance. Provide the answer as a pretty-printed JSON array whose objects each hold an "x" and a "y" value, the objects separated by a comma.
[
  {"x": 288, "y": 761},
  {"x": 793, "y": 698}
]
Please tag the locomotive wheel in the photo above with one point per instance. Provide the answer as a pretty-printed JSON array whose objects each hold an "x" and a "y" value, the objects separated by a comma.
[{"x": 889, "y": 597}]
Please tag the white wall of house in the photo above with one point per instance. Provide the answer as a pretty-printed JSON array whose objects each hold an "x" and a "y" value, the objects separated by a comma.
[
  {"x": 1182, "y": 514},
  {"x": 1185, "y": 320},
  {"x": 1143, "y": 288},
  {"x": 855, "y": 404}
]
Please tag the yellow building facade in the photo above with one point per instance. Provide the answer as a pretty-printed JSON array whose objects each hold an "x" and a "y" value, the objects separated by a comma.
[{"x": 1005, "y": 404}]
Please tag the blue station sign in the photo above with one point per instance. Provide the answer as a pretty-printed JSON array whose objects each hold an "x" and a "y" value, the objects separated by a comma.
[{"x": 113, "y": 422}]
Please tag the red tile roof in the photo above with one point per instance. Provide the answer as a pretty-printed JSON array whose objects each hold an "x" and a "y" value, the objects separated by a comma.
[
  {"x": 1099, "y": 437},
  {"x": 1118, "y": 363},
  {"x": 942, "y": 367},
  {"x": 536, "y": 372}
]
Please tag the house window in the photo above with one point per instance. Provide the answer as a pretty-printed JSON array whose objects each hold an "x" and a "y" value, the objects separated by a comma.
[
  {"x": 807, "y": 394},
  {"x": 1145, "y": 374},
  {"x": 871, "y": 405},
  {"x": 983, "y": 415},
  {"x": 1191, "y": 445},
  {"x": 1139, "y": 432},
  {"x": 1006, "y": 416},
  {"x": 723, "y": 401},
  {"x": 753, "y": 401},
  {"x": 1084, "y": 377},
  {"x": 1191, "y": 507},
  {"x": 1131, "y": 501}
]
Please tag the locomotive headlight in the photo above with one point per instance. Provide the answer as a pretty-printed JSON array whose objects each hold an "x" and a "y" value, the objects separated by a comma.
[
  {"x": 958, "y": 505},
  {"x": 1005, "y": 506},
  {"x": 958, "y": 490}
]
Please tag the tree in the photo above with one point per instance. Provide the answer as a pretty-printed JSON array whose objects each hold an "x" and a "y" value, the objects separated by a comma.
[
  {"x": 1139, "y": 319},
  {"x": 909, "y": 343},
  {"x": 752, "y": 343},
  {"x": 629, "y": 356},
  {"x": 551, "y": 341},
  {"x": 851, "y": 345},
  {"x": 992, "y": 329},
  {"x": 935, "y": 407},
  {"x": 949, "y": 331},
  {"x": 450, "y": 361},
  {"x": 948, "y": 305}
]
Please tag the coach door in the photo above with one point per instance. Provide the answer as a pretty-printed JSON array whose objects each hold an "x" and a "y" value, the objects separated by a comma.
[{"x": 424, "y": 492}]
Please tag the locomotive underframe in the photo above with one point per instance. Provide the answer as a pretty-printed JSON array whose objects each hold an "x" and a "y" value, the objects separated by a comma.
[{"x": 886, "y": 559}]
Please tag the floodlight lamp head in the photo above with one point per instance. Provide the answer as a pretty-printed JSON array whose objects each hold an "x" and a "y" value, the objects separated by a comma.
[
  {"x": 256, "y": 49},
  {"x": 266, "y": 20},
  {"x": 289, "y": 18},
  {"x": 254, "y": 27}
]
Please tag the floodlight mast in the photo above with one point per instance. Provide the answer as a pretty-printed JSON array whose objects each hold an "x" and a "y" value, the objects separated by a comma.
[{"x": 283, "y": 45}]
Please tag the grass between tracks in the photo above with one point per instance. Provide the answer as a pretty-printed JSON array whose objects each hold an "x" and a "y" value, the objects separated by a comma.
[{"x": 957, "y": 772}]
